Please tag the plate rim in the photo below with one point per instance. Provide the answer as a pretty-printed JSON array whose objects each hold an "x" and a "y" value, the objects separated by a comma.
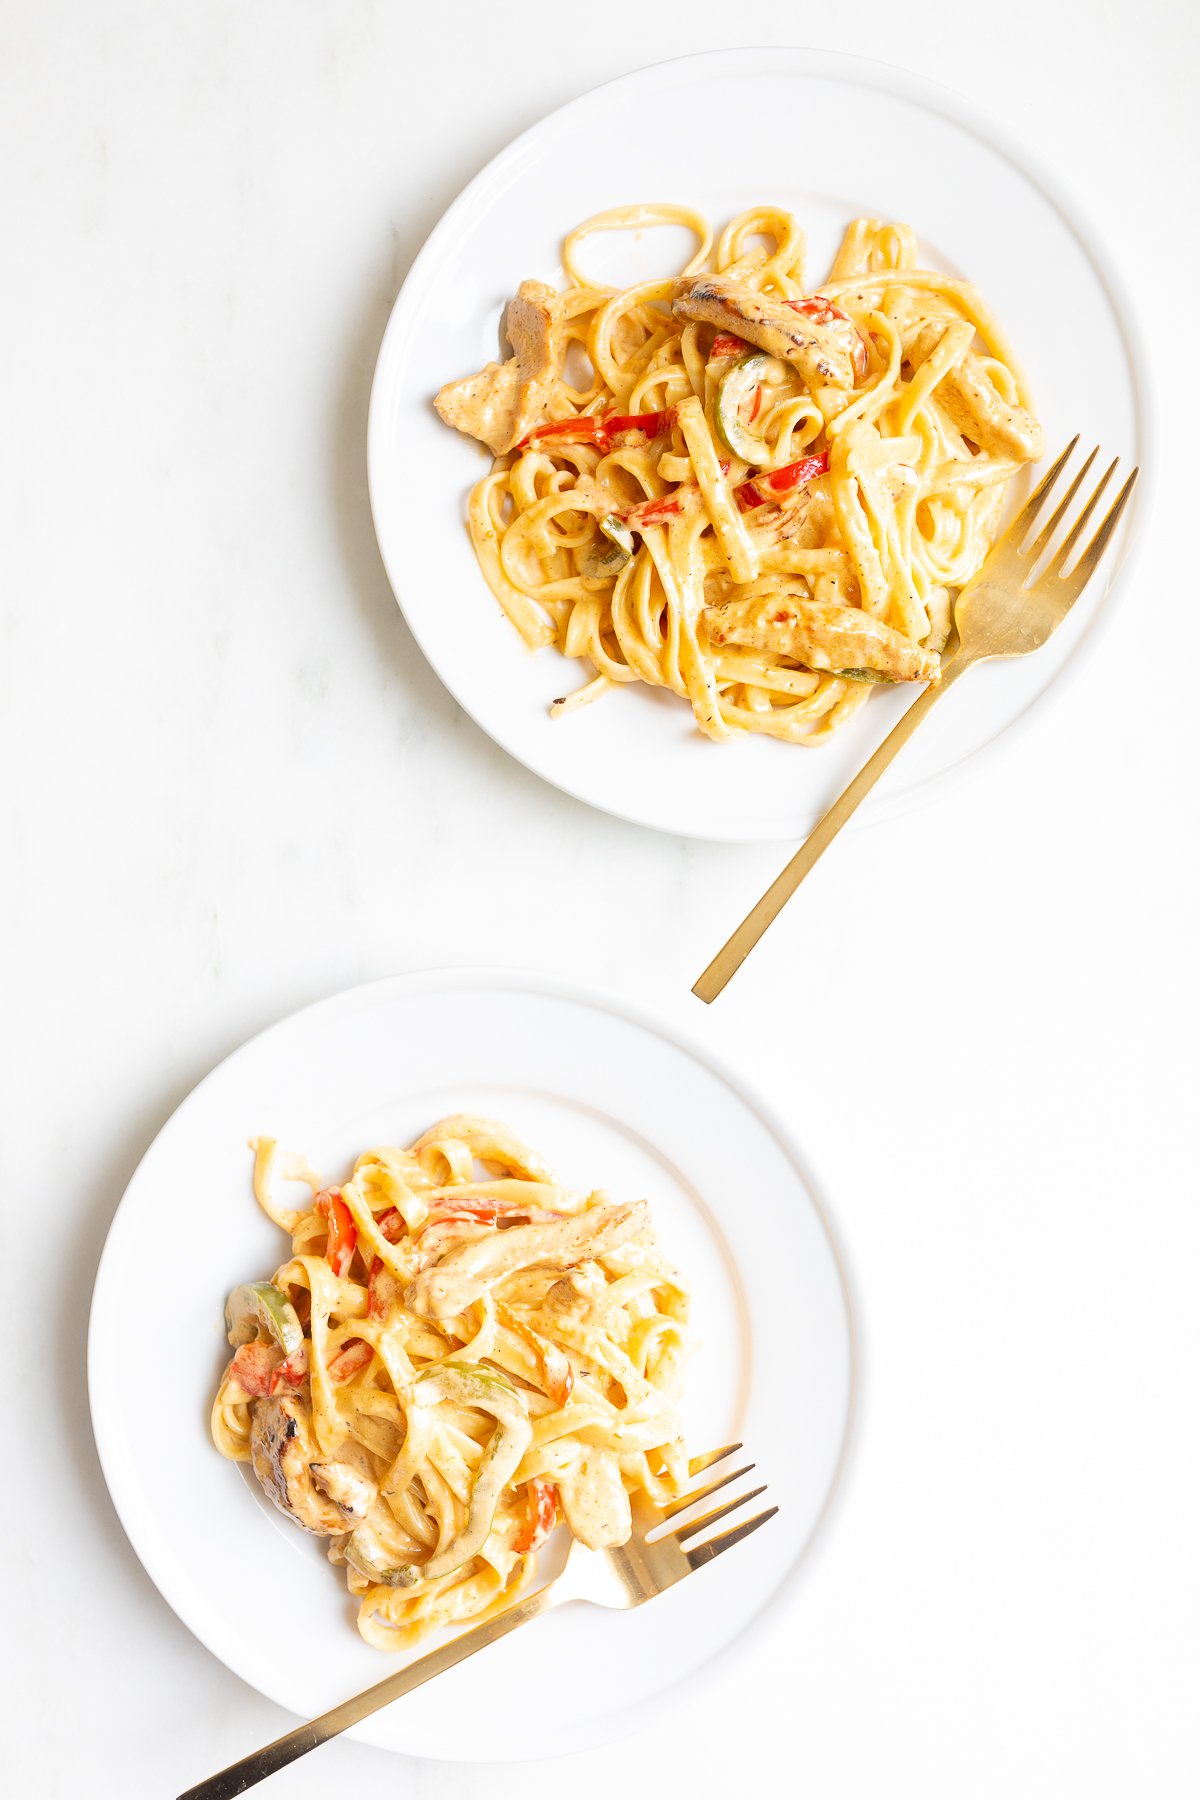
[
  {"x": 469, "y": 977},
  {"x": 877, "y": 74}
]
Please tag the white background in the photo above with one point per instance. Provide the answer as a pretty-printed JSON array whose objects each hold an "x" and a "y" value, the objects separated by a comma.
[{"x": 230, "y": 785}]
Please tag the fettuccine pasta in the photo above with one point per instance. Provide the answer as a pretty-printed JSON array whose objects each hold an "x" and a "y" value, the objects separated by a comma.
[
  {"x": 458, "y": 1353},
  {"x": 759, "y": 495}
]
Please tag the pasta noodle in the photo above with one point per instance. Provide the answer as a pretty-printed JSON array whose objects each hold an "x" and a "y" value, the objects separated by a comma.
[
  {"x": 458, "y": 1352},
  {"x": 760, "y": 496}
]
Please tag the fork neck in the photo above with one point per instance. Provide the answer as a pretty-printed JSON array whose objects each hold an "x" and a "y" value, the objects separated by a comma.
[{"x": 956, "y": 663}]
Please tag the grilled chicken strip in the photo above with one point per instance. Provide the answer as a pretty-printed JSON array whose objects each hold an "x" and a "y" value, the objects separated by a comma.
[
  {"x": 981, "y": 413},
  {"x": 594, "y": 1501},
  {"x": 821, "y": 636},
  {"x": 823, "y": 353},
  {"x": 464, "y": 1275},
  {"x": 506, "y": 400},
  {"x": 326, "y": 1498},
  {"x": 574, "y": 1294}
]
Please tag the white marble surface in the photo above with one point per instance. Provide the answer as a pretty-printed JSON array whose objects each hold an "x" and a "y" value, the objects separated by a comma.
[{"x": 230, "y": 785}]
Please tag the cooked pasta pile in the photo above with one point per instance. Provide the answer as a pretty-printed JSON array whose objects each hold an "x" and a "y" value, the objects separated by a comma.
[
  {"x": 458, "y": 1353},
  {"x": 759, "y": 495}
]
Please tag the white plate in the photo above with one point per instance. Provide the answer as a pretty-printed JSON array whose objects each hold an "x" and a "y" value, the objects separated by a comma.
[
  {"x": 833, "y": 138},
  {"x": 614, "y": 1100}
]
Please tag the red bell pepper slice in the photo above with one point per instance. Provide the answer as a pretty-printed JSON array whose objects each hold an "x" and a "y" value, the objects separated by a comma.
[
  {"x": 252, "y": 1368},
  {"x": 558, "y": 1374},
  {"x": 470, "y": 1211},
  {"x": 756, "y": 492},
  {"x": 780, "y": 481},
  {"x": 725, "y": 344},
  {"x": 657, "y": 512},
  {"x": 554, "y": 1365},
  {"x": 666, "y": 506},
  {"x": 349, "y": 1360},
  {"x": 375, "y": 1303},
  {"x": 383, "y": 1288},
  {"x": 543, "y": 1510},
  {"x": 483, "y": 1208},
  {"x": 258, "y": 1371},
  {"x": 291, "y": 1371},
  {"x": 484, "y": 1211},
  {"x": 390, "y": 1225},
  {"x": 592, "y": 428},
  {"x": 343, "y": 1234}
]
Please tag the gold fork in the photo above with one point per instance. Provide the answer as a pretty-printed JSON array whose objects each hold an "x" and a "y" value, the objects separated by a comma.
[
  {"x": 1000, "y": 613},
  {"x": 651, "y": 1562}
]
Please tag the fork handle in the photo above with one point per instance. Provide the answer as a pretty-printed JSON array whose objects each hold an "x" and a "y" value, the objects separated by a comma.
[
  {"x": 733, "y": 954},
  {"x": 255, "y": 1768}
]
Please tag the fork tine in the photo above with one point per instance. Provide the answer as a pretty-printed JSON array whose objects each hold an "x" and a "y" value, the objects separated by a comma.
[
  {"x": 1060, "y": 512},
  {"x": 1056, "y": 565},
  {"x": 1085, "y": 568},
  {"x": 698, "y": 1464},
  {"x": 718, "y": 1512},
  {"x": 717, "y": 1546},
  {"x": 1024, "y": 519},
  {"x": 694, "y": 1499}
]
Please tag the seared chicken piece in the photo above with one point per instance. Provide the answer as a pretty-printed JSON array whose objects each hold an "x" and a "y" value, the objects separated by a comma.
[
  {"x": 506, "y": 400},
  {"x": 463, "y": 1276},
  {"x": 976, "y": 407},
  {"x": 594, "y": 1501},
  {"x": 325, "y": 1498},
  {"x": 823, "y": 353},
  {"x": 350, "y": 1492},
  {"x": 574, "y": 1294},
  {"x": 834, "y": 638}
]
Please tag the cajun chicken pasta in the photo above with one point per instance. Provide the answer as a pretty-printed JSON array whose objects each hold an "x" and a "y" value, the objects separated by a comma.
[
  {"x": 760, "y": 494},
  {"x": 458, "y": 1353}
]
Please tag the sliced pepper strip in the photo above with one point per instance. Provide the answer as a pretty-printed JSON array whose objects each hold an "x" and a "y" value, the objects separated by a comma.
[
  {"x": 554, "y": 1365},
  {"x": 484, "y": 1211},
  {"x": 252, "y": 1368},
  {"x": 657, "y": 512},
  {"x": 598, "y": 563},
  {"x": 292, "y": 1370},
  {"x": 350, "y": 1360},
  {"x": 257, "y": 1370},
  {"x": 543, "y": 1511},
  {"x": 780, "y": 481},
  {"x": 383, "y": 1288},
  {"x": 599, "y": 430},
  {"x": 756, "y": 492},
  {"x": 390, "y": 1225},
  {"x": 376, "y": 1309},
  {"x": 343, "y": 1233},
  {"x": 258, "y": 1307},
  {"x": 741, "y": 387},
  {"x": 474, "y": 1212},
  {"x": 665, "y": 506}
]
